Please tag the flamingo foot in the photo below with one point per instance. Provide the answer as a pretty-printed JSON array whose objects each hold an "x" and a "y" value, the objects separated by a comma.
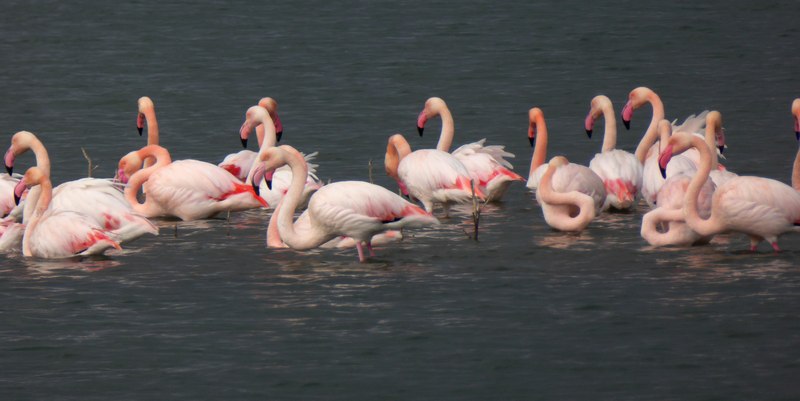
[
  {"x": 775, "y": 246},
  {"x": 360, "y": 248},
  {"x": 369, "y": 246}
]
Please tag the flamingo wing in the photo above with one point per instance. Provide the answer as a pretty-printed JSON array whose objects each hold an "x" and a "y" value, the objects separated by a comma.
[
  {"x": 239, "y": 163},
  {"x": 62, "y": 234}
]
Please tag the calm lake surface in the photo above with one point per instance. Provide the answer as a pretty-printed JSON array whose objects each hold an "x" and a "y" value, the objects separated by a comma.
[{"x": 206, "y": 311}]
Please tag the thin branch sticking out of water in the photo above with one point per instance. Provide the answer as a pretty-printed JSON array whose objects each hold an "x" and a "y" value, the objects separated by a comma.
[{"x": 92, "y": 167}]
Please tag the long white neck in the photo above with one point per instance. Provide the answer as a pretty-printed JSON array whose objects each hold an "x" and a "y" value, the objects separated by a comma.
[
  {"x": 448, "y": 129},
  {"x": 267, "y": 139},
  {"x": 40, "y": 152},
  {"x": 540, "y": 149},
  {"x": 564, "y": 222},
  {"x": 651, "y": 134},
  {"x": 796, "y": 171},
  {"x": 40, "y": 201},
  {"x": 162, "y": 158},
  {"x": 713, "y": 224},
  {"x": 610, "y": 133},
  {"x": 313, "y": 237},
  {"x": 152, "y": 132}
]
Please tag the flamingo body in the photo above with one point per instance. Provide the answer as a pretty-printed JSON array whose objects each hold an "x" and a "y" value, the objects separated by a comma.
[
  {"x": 621, "y": 174},
  {"x": 670, "y": 202},
  {"x": 434, "y": 176}
]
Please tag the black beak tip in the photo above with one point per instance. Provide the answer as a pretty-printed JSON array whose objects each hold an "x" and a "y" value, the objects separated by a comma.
[
  {"x": 627, "y": 123},
  {"x": 16, "y": 199},
  {"x": 256, "y": 189},
  {"x": 244, "y": 142},
  {"x": 9, "y": 169},
  {"x": 722, "y": 148},
  {"x": 663, "y": 172},
  {"x": 532, "y": 140},
  {"x": 278, "y": 135},
  {"x": 140, "y": 130},
  {"x": 797, "y": 135},
  {"x": 589, "y": 133},
  {"x": 420, "y": 129},
  {"x": 269, "y": 184}
]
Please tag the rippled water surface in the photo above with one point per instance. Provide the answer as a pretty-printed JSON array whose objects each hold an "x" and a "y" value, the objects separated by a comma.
[{"x": 205, "y": 311}]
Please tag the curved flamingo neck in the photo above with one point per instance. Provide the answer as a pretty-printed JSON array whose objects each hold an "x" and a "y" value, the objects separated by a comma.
[
  {"x": 585, "y": 204},
  {"x": 610, "y": 132},
  {"x": 713, "y": 125},
  {"x": 30, "y": 141},
  {"x": 314, "y": 237},
  {"x": 448, "y": 126},
  {"x": 703, "y": 227},
  {"x": 273, "y": 235},
  {"x": 162, "y": 158},
  {"x": 796, "y": 171},
  {"x": 267, "y": 139},
  {"x": 651, "y": 134},
  {"x": 396, "y": 150},
  {"x": 540, "y": 149},
  {"x": 41, "y": 201},
  {"x": 152, "y": 126}
]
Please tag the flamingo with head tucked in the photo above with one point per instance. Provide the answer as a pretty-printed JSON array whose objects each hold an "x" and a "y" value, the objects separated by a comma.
[
  {"x": 430, "y": 175},
  {"x": 187, "y": 189},
  {"x": 100, "y": 199},
  {"x": 355, "y": 209},
  {"x": 486, "y": 164},
  {"x": 620, "y": 171},
  {"x": 796, "y": 166},
  {"x": 569, "y": 209},
  {"x": 53, "y": 233},
  {"x": 761, "y": 208}
]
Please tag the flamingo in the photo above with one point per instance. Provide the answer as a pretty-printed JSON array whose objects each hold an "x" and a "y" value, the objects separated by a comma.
[
  {"x": 239, "y": 163},
  {"x": 620, "y": 171},
  {"x": 652, "y": 180},
  {"x": 54, "y": 234},
  {"x": 100, "y": 199},
  {"x": 486, "y": 164},
  {"x": 430, "y": 175},
  {"x": 574, "y": 177},
  {"x": 715, "y": 139},
  {"x": 7, "y": 184},
  {"x": 355, "y": 209},
  {"x": 569, "y": 208},
  {"x": 187, "y": 189},
  {"x": 761, "y": 208},
  {"x": 669, "y": 212},
  {"x": 259, "y": 117}
]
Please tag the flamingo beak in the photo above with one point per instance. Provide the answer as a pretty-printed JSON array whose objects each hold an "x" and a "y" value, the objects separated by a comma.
[
  {"x": 269, "y": 184},
  {"x": 664, "y": 159},
  {"x": 244, "y": 142},
  {"x": 421, "y": 120},
  {"x": 278, "y": 128},
  {"x": 244, "y": 132},
  {"x": 140, "y": 123},
  {"x": 627, "y": 114},
  {"x": 589, "y": 125},
  {"x": 8, "y": 160},
  {"x": 19, "y": 189},
  {"x": 278, "y": 136},
  {"x": 722, "y": 147},
  {"x": 532, "y": 134},
  {"x": 256, "y": 189}
]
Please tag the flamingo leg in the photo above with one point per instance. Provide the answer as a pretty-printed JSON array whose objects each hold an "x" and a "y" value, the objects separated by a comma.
[
  {"x": 369, "y": 246},
  {"x": 754, "y": 241},
  {"x": 360, "y": 248}
]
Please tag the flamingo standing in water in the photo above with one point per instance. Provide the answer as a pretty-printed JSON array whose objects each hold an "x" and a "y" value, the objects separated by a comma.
[
  {"x": 100, "y": 199},
  {"x": 430, "y": 175},
  {"x": 259, "y": 117},
  {"x": 486, "y": 164},
  {"x": 53, "y": 233},
  {"x": 568, "y": 209},
  {"x": 239, "y": 163},
  {"x": 187, "y": 189},
  {"x": 355, "y": 209},
  {"x": 761, "y": 208},
  {"x": 570, "y": 176},
  {"x": 620, "y": 171}
]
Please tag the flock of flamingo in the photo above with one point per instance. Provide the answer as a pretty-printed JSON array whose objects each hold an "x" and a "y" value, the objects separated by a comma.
[{"x": 675, "y": 170}]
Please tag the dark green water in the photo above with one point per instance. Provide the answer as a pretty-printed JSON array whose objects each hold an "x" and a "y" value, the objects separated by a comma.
[{"x": 527, "y": 313}]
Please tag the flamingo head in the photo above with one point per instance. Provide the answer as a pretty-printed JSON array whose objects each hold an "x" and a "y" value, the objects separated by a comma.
[
  {"x": 8, "y": 159},
  {"x": 535, "y": 117},
  {"x": 272, "y": 108},
  {"x": 421, "y": 120},
  {"x": 128, "y": 165},
  {"x": 558, "y": 161},
  {"x": 678, "y": 143},
  {"x": 796, "y": 114},
  {"x": 34, "y": 176},
  {"x": 636, "y": 99},
  {"x": 433, "y": 106},
  {"x": 260, "y": 173},
  {"x": 145, "y": 104}
]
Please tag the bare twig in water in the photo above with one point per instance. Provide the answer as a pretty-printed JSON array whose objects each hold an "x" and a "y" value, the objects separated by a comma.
[
  {"x": 92, "y": 167},
  {"x": 176, "y": 230},
  {"x": 476, "y": 211},
  {"x": 228, "y": 222},
  {"x": 370, "y": 171}
]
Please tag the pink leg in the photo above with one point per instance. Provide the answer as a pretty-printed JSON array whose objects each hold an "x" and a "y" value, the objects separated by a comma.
[
  {"x": 360, "y": 248},
  {"x": 369, "y": 246},
  {"x": 775, "y": 246}
]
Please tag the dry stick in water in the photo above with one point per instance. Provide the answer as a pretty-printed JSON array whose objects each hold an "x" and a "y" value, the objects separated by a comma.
[
  {"x": 89, "y": 159},
  {"x": 476, "y": 211},
  {"x": 370, "y": 171}
]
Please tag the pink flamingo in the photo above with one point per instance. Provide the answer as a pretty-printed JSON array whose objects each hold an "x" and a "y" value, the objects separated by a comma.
[
  {"x": 53, "y": 233},
  {"x": 569, "y": 209},
  {"x": 187, "y": 189},
  {"x": 486, "y": 164},
  {"x": 259, "y": 117},
  {"x": 100, "y": 199},
  {"x": 761, "y": 208},
  {"x": 355, "y": 209},
  {"x": 239, "y": 163},
  {"x": 570, "y": 177},
  {"x": 430, "y": 175},
  {"x": 669, "y": 214},
  {"x": 620, "y": 171},
  {"x": 7, "y": 184},
  {"x": 652, "y": 181}
]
